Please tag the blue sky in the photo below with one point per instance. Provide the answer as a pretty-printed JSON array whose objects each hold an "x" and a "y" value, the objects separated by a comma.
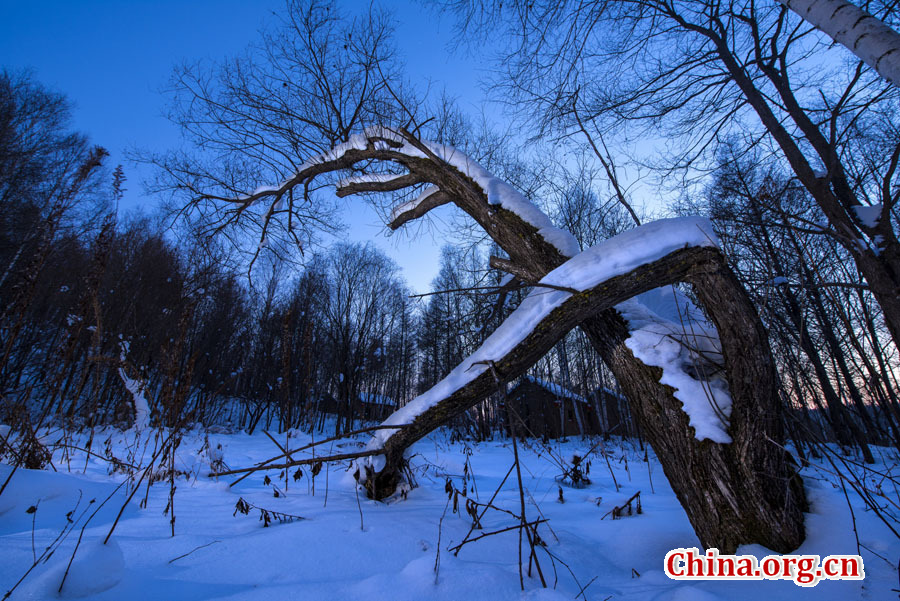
[{"x": 112, "y": 58}]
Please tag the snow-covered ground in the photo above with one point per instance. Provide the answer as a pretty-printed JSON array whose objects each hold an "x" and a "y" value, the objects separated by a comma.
[{"x": 348, "y": 547}]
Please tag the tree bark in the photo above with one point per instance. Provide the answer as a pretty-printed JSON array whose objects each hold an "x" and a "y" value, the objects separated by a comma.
[
  {"x": 734, "y": 493},
  {"x": 863, "y": 34}
]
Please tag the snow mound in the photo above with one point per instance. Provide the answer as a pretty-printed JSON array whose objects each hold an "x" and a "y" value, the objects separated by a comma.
[{"x": 96, "y": 568}]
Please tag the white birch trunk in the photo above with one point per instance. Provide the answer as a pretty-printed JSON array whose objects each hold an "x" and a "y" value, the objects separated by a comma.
[{"x": 864, "y": 35}]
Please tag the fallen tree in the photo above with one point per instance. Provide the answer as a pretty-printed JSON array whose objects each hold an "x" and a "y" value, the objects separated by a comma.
[{"x": 708, "y": 405}]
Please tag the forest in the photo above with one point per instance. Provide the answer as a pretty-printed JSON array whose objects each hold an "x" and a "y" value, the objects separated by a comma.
[{"x": 685, "y": 223}]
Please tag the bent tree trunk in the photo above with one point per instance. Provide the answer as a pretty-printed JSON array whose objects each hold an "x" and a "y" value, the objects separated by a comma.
[
  {"x": 737, "y": 493},
  {"x": 742, "y": 492}
]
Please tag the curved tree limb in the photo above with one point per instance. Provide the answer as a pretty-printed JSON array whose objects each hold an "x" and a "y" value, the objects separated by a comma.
[
  {"x": 557, "y": 321},
  {"x": 430, "y": 199},
  {"x": 738, "y": 493}
]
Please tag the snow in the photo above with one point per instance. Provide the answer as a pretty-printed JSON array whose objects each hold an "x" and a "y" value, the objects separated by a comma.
[
  {"x": 874, "y": 245},
  {"x": 610, "y": 258},
  {"x": 411, "y": 205},
  {"x": 95, "y": 569},
  {"x": 500, "y": 193},
  {"x": 141, "y": 406},
  {"x": 136, "y": 389},
  {"x": 216, "y": 555},
  {"x": 868, "y": 215},
  {"x": 263, "y": 190},
  {"x": 654, "y": 339},
  {"x": 668, "y": 331},
  {"x": 368, "y": 178},
  {"x": 496, "y": 190}
]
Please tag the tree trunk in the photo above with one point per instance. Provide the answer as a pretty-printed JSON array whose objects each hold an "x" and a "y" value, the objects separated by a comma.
[
  {"x": 734, "y": 493},
  {"x": 866, "y": 36}
]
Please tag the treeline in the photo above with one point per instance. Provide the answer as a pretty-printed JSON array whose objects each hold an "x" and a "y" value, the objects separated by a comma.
[
  {"x": 201, "y": 344},
  {"x": 99, "y": 310}
]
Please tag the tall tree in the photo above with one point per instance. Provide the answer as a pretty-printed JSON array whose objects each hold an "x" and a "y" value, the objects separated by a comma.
[
  {"x": 734, "y": 492},
  {"x": 735, "y": 488},
  {"x": 702, "y": 70}
]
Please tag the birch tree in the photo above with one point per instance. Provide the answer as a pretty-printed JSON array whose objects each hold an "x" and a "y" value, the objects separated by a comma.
[{"x": 863, "y": 34}]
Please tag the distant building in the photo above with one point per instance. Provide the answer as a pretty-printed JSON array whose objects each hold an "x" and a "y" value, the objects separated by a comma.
[
  {"x": 549, "y": 410},
  {"x": 325, "y": 403},
  {"x": 366, "y": 407},
  {"x": 375, "y": 407}
]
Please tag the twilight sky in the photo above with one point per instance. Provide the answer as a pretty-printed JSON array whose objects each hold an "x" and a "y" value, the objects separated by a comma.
[{"x": 112, "y": 58}]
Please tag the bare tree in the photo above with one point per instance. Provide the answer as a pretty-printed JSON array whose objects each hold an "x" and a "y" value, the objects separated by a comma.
[
  {"x": 734, "y": 492},
  {"x": 707, "y": 71},
  {"x": 312, "y": 81},
  {"x": 740, "y": 487},
  {"x": 363, "y": 298}
]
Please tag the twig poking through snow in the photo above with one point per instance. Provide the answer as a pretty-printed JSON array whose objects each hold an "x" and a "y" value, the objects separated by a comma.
[{"x": 174, "y": 559}]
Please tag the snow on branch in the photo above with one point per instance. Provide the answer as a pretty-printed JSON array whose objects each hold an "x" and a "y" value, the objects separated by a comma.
[
  {"x": 422, "y": 162},
  {"x": 430, "y": 198},
  {"x": 662, "y": 252},
  {"x": 667, "y": 331},
  {"x": 869, "y": 215}
]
